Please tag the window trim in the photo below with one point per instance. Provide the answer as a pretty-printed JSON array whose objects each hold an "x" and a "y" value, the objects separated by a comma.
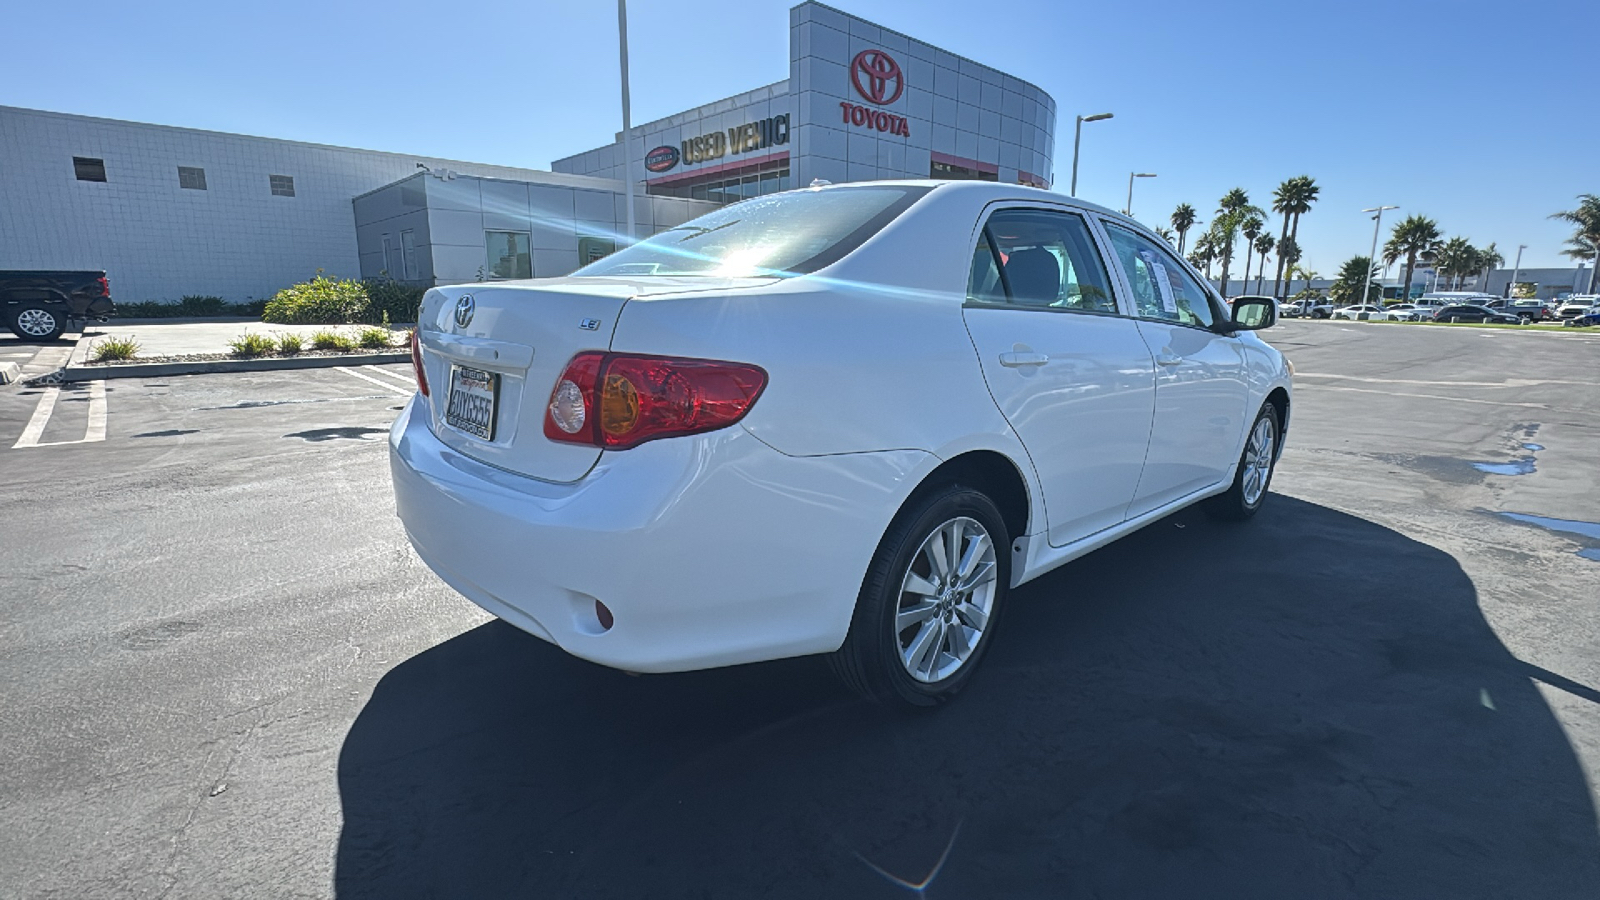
[
  {"x": 1219, "y": 310},
  {"x": 1096, "y": 243}
]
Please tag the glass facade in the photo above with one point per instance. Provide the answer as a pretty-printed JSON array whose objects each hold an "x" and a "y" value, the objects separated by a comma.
[
  {"x": 731, "y": 186},
  {"x": 510, "y": 254},
  {"x": 952, "y": 172}
]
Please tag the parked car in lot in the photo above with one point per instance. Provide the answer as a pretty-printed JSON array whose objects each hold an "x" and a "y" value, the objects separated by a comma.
[
  {"x": 1362, "y": 312},
  {"x": 1472, "y": 312},
  {"x": 39, "y": 306},
  {"x": 1577, "y": 305},
  {"x": 842, "y": 420},
  {"x": 1529, "y": 310},
  {"x": 1409, "y": 312}
]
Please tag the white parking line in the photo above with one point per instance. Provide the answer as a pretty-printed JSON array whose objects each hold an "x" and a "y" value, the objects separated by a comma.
[
  {"x": 405, "y": 379},
  {"x": 383, "y": 384},
  {"x": 94, "y": 431},
  {"x": 41, "y": 418}
]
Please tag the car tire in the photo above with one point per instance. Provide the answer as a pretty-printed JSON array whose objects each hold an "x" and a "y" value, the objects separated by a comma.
[
  {"x": 909, "y": 646},
  {"x": 36, "y": 322},
  {"x": 1253, "y": 475}
]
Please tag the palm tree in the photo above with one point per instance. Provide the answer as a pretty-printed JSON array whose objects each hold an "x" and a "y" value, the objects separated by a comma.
[
  {"x": 1292, "y": 199},
  {"x": 1293, "y": 270},
  {"x": 1489, "y": 259},
  {"x": 1456, "y": 258},
  {"x": 1251, "y": 229},
  {"x": 1205, "y": 252},
  {"x": 1183, "y": 219},
  {"x": 1232, "y": 211},
  {"x": 1354, "y": 282},
  {"x": 1264, "y": 245},
  {"x": 1411, "y": 238},
  {"x": 1585, "y": 241},
  {"x": 1165, "y": 234}
]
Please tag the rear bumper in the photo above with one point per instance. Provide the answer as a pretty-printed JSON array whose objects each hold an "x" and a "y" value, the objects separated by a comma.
[{"x": 709, "y": 550}]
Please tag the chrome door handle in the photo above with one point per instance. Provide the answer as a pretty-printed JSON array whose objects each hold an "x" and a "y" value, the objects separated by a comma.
[
  {"x": 1168, "y": 359},
  {"x": 1016, "y": 360}
]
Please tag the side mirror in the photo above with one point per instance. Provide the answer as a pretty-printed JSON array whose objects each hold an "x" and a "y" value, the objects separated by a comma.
[{"x": 1254, "y": 313}]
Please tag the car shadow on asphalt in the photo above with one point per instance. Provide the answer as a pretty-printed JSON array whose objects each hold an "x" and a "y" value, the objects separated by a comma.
[{"x": 1307, "y": 705}]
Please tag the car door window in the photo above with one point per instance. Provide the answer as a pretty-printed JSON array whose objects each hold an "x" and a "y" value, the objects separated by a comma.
[
  {"x": 1039, "y": 259},
  {"x": 1162, "y": 288}
]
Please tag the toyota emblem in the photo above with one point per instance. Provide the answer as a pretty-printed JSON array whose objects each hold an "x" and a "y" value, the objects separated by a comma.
[
  {"x": 871, "y": 71},
  {"x": 465, "y": 307}
]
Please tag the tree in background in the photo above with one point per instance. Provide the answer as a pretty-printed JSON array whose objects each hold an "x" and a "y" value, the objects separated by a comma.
[
  {"x": 1251, "y": 229},
  {"x": 1165, "y": 234},
  {"x": 1489, "y": 259},
  {"x": 1456, "y": 258},
  {"x": 1264, "y": 245},
  {"x": 1412, "y": 237},
  {"x": 1348, "y": 284},
  {"x": 1232, "y": 211},
  {"x": 1205, "y": 253},
  {"x": 1183, "y": 219},
  {"x": 1585, "y": 241},
  {"x": 1292, "y": 199},
  {"x": 1288, "y": 255}
]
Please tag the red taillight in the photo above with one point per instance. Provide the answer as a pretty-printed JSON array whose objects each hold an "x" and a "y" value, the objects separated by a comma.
[
  {"x": 105, "y": 287},
  {"x": 618, "y": 401},
  {"x": 416, "y": 363}
]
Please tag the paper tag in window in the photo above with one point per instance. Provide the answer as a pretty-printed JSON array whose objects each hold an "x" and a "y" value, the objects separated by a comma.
[{"x": 1164, "y": 286}]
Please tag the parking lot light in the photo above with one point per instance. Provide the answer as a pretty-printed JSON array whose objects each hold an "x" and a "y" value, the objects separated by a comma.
[
  {"x": 1128, "y": 211},
  {"x": 1372, "y": 255},
  {"x": 1077, "y": 138}
]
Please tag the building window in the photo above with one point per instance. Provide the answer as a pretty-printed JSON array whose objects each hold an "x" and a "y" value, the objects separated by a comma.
[
  {"x": 509, "y": 255},
  {"x": 192, "y": 178},
  {"x": 89, "y": 169},
  {"x": 730, "y": 187},
  {"x": 952, "y": 172},
  {"x": 593, "y": 248},
  {"x": 408, "y": 254},
  {"x": 282, "y": 185}
]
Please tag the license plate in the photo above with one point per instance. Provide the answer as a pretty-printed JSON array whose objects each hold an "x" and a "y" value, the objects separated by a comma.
[{"x": 474, "y": 394}]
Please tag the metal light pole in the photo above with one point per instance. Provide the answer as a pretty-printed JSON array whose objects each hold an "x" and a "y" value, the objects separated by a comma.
[
  {"x": 1128, "y": 210},
  {"x": 1516, "y": 269},
  {"x": 1077, "y": 138},
  {"x": 1372, "y": 257},
  {"x": 627, "y": 115}
]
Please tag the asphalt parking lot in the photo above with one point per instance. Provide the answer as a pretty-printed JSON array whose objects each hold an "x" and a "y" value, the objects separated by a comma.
[{"x": 226, "y": 675}]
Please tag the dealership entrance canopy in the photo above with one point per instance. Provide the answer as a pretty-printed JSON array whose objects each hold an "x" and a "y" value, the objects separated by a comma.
[{"x": 861, "y": 102}]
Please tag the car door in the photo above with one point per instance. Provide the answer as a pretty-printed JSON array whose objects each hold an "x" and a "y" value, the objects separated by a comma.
[
  {"x": 1201, "y": 389},
  {"x": 1066, "y": 365}
]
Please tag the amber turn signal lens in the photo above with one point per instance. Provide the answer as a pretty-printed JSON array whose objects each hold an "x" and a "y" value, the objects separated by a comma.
[{"x": 619, "y": 406}]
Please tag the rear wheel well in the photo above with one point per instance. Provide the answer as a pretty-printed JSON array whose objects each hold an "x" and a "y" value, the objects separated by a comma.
[{"x": 990, "y": 473}]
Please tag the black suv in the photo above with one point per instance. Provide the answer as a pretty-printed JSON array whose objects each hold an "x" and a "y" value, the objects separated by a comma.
[{"x": 38, "y": 306}]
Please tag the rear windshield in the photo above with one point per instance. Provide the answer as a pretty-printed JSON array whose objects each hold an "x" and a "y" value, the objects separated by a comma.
[{"x": 779, "y": 234}]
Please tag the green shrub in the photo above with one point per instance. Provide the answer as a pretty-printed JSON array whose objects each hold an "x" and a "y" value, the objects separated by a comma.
[
  {"x": 375, "y": 337},
  {"x": 201, "y": 305},
  {"x": 114, "y": 348},
  {"x": 188, "y": 307},
  {"x": 320, "y": 301},
  {"x": 328, "y": 339},
  {"x": 248, "y": 345},
  {"x": 395, "y": 299},
  {"x": 289, "y": 344}
]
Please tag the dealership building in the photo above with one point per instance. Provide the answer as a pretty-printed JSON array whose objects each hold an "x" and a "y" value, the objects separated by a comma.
[{"x": 174, "y": 211}]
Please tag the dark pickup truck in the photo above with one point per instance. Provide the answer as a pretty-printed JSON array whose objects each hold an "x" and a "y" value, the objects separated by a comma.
[{"x": 38, "y": 306}]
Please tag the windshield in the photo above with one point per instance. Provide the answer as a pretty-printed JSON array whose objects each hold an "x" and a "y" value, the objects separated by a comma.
[{"x": 780, "y": 234}]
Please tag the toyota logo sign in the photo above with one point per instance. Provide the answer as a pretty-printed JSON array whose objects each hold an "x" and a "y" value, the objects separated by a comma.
[
  {"x": 871, "y": 71},
  {"x": 465, "y": 307}
]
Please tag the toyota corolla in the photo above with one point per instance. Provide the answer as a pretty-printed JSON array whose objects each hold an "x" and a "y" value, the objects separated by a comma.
[{"x": 843, "y": 420}]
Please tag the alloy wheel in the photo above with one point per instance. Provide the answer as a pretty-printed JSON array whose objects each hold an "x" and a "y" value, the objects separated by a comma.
[
  {"x": 1258, "y": 460},
  {"x": 946, "y": 600},
  {"x": 35, "y": 322}
]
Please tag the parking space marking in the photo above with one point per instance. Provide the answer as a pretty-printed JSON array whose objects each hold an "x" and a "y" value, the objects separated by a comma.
[
  {"x": 1330, "y": 387},
  {"x": 94, "y": 431},
  {"x": 1509, "y": 382},
  {"x": 41, "y": 418},
  {"x": 383, "y": 384},
  {"x": 405, "y": 379}
]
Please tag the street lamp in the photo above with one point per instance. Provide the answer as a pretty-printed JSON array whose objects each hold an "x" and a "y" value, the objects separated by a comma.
[
  {"x": 1128, "y": 210},
  {"x": 1372, "y": 257},
  {"x": 627, "y": 112},
  {"x": 1516, "y": 269},
  {"x": 1077, "y": 137}
]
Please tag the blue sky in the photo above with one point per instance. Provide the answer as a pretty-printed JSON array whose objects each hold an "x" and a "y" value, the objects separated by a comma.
[{"x": 1483, "y": 116}]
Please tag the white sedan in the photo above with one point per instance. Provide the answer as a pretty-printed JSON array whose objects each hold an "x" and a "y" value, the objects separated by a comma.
[
  {"x": 842, "y": 420},
  {"x": 1365, "y": 312}
]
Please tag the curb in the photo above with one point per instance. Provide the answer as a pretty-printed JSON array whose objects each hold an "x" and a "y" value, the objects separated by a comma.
[{"x": 76, "y": 372}]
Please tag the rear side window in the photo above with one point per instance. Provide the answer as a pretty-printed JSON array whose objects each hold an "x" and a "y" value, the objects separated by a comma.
[
  {"x": 779, "y": 234},
  {"x": 1041, "y": 259}
]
